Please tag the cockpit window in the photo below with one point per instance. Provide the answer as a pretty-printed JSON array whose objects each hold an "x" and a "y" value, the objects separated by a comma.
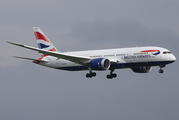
[{"x": 166, "y": 52}]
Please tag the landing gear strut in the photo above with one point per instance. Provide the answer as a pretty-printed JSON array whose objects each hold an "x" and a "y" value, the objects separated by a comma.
[
  {"x": 111, "y": 75},
  {"x": 91, "y": 74},
  {"x": 161, "y": 70}
]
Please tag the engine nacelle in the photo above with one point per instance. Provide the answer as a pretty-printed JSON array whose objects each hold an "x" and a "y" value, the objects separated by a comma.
[
  {"x": 145, "y": 69},
  {"x": 100, "y": 64}
]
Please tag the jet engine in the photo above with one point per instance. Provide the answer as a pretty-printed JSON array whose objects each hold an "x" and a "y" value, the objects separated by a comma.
[
  {"x": 145, "y": 69},
  {"x": 100, "y": 64}
]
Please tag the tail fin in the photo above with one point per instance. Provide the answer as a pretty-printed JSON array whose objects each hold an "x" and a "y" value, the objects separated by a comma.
[{"x": 42, "y": 40}]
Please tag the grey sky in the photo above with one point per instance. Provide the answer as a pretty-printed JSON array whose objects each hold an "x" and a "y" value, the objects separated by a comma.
[{"x": 29, "y": 91}]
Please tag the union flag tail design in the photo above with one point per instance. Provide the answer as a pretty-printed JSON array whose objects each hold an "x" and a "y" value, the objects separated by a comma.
[{"x": 42, "y": 40}]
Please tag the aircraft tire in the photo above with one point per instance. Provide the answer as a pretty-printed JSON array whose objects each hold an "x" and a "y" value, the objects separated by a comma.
[
  {"x": 114, "y": 75},
  {"x": 109, "y": 76},
  {"x": 88, "y": 75},
  {"x": 93, "y": 74},
  {"x": 161, "y": 71}
]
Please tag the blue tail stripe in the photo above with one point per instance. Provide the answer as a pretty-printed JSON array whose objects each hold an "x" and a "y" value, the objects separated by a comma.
[{"x": 41, "y": 46}]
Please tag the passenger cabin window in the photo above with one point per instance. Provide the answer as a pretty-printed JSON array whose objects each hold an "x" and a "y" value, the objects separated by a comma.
[
  {"x": 96, "y": 56},
  {"x": 108, "y": 55},
  {"x": 120, "y": 54}
]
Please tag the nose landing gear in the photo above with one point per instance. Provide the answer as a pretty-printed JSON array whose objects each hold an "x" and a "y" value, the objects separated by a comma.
[{"x": 161, "y": 70}]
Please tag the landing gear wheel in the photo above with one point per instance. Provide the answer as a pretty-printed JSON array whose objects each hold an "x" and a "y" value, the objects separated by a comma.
[
  {"x": 114, "y": 75},
  {"x": 109, "y": 76},
  {"x": 161, "y": 71},
  {"x": 93, "y": 74},
  {"x": 90, "y": 75}
]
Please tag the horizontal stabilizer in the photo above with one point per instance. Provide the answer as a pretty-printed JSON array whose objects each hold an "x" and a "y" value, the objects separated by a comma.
[{"x": 30, "y": 59}]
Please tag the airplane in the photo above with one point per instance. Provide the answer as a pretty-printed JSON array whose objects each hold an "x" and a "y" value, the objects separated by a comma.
[{"x": 139, "y": 59}]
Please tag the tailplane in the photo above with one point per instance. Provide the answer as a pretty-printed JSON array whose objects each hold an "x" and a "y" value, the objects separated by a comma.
[{"x": 42, "y": 40}]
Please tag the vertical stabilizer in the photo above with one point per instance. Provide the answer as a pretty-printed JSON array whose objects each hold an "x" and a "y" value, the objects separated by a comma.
[{"x": 42, "y": 40}]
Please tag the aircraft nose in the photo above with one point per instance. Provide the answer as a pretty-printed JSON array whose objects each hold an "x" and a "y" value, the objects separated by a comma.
[{"x": 173, "y": 58}]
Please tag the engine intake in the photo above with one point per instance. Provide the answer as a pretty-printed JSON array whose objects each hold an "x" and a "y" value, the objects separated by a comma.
[
  {"x": 145, "y": 69},
  {"x": 100, "y": 64}
]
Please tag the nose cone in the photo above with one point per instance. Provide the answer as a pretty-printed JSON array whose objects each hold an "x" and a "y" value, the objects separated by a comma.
[{"x": 173, "y": 58}]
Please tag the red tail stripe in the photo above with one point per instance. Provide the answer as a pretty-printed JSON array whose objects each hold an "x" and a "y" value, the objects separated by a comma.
[
  {"x": 40, "y": 36},
  {"x": 37, "y": 62},
  {"x": 53, "y": 49}
]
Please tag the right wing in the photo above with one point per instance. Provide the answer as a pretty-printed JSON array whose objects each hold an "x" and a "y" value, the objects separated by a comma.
[{"x": 73, "y": 58}]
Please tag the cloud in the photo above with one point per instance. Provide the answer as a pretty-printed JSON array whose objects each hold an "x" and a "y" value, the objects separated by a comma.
[
  {"x": 32, "y": 91},
  {"x": 117, "y": 33}
]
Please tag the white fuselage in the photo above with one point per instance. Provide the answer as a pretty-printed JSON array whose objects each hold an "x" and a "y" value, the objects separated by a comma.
[{"x": 121, "y": 58}]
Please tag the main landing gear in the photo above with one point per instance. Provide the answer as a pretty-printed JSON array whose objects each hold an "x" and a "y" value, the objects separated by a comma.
[
  {"x": 91, "y": 74},
  {"x": 111, "y": 75},
  {"x": 161, "y": 70}
]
